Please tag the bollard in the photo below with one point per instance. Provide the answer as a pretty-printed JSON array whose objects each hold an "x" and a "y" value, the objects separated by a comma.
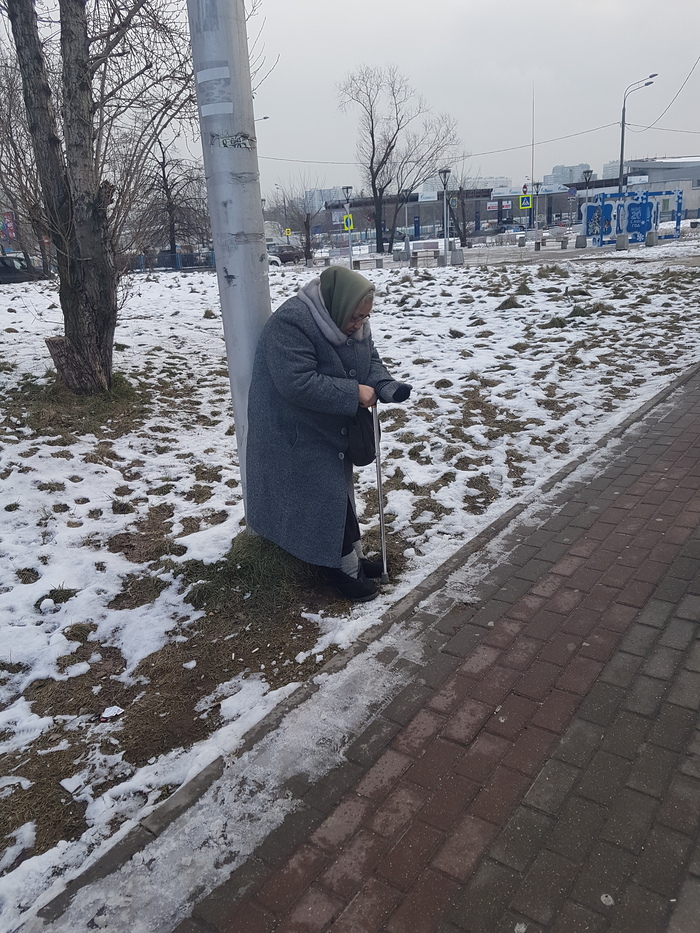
[
  {"x": 414, "y": 261},
  {"x": 565, "y": 242},
  {"x": 538, "y": 245},
  {"x": 581, "y": 242},
  {"x": 379, "y": 262},
  {"x": 457, "y": 257},
  {"x": 652, "y": 238},
  {"x": 327, "y": 261},
  {"x": 622, "y": 241}
]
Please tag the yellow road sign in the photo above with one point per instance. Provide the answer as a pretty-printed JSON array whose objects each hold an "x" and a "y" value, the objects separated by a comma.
[
  {"x": 347, "y": 222},
  {"x": 287, "y": 232}
]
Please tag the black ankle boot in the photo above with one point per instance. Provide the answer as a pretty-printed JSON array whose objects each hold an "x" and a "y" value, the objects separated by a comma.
[
  {"x": 373, "y": 569},
  {"x": 357, "y": 589}
]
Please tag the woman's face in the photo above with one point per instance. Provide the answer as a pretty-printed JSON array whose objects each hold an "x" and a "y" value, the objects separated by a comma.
[{"x": 359, "y": 315}]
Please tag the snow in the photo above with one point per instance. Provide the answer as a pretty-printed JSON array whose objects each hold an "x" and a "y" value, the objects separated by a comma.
[{"x": 540, "y": 395}]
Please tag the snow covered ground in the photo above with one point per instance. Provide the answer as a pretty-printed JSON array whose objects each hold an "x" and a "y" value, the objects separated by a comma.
[{"x": 517, "y": 369}]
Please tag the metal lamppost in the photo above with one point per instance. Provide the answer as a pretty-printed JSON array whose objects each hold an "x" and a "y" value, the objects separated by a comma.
[
  {"x": 537, "y": 185},
  {"x": 406, "y": 194},
  {"x": 347, "y": 191},
  {"x": 635, "y": 86},
  {"x": 587, "y": 175},
  {"x": 444, "y": 174},
  {"x": 284, "y": 203}
]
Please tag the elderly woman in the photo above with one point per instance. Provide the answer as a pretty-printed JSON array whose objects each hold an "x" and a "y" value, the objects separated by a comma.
[{"x": 315, "y": 365}]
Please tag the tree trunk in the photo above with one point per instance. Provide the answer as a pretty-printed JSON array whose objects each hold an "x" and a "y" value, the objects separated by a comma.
[
  {"x": 378, "y": 207},
  {"x": 76, "y": 203}
]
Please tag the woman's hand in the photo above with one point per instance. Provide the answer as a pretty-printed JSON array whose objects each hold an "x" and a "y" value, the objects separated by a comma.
[{"x": 368, "y": 396}]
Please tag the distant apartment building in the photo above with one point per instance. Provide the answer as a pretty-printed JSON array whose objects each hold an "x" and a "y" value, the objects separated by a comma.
[{"x": 567, "y": 174}]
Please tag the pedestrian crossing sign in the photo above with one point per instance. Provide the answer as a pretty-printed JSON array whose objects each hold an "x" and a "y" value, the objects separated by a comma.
[{"x": 525, "y": 202}]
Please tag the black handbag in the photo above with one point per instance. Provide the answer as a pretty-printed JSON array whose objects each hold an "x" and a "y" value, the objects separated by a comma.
[{"x": 361, "y": 449}]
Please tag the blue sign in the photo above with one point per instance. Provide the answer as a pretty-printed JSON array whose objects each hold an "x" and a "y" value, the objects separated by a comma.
[{"x": 612, "y": 215}]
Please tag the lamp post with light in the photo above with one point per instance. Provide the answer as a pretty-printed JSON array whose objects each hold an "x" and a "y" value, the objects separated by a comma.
[
  {"x": 635, "y": 86},
  {"x": 537, "y": 185},
  {"x": 444, "y": 174},
  {"x": 406, "y": 194},
  {"x": 587, "y": 175},
  {"x": 347, "y": 191}
]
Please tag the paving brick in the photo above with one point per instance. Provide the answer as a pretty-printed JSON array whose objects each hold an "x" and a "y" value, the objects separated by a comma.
[
  {"x": 252, "y": 918},
  {"x": 380, "y": 779},
  {"x": 342, "y": 822},
  {"x": 479, "y": 660},
  {"x": 639, "y": 639},
  {"x": 602, "y": 597},
  {"x": 618, "y": 618},
  {"x": 692, "y": 661},
  {"x": 685, "y": 916},
  {"x": 600, "y": 644},
  {"x": 579, "y": 742},
  {"x": 579, "y": 675},
  {"x": 689, "y": 608},
  {"x": 452, "y": 693},
  {"x": 552, "y": 786},
  {"x": 398, "y": 809},
  {"x": 546, "y": 624},
  {"x": 462, "y": 850},
  {"x": 646, "y": 695},
  {"x": 640, "y": 911},
  {"x": 369, "y": 909},
  {"x": 404, "y": 706},
  {"x": 283, "y": 841},
  {"x": 604, "y": 777},
  {"x": 605, "y": 872},
  {"x": 681, "y": 806},
  {"x": 524, "y": 835},
  {"x": 410, "y": 855},
  {"x": 672, "y": 727},
  {"x": 530, "y": 750},
  {"x": 573, "y": 918},
  {"x": 630, "y": 818},
  {"x": 495, "y": 685},
  {"x": 627, "y": 735},
  {"x": 418, "y": 733},
  {"x": 353, "y": 867},
  {"x": 660, "y": 866},
  {"x": 482, "y": 901},
  {"x": 521, "y": 652},
  {"x": 544, "y": 889},
  {"x": 500, "y": 795},
  {"x": 503, "y": 633},
  {"x": 370, "y": 744},
  {"x": 482, "y": 757},
  {"x": 286, "y": 885},
  {"x": 564, "y": 600},
  {"x": 312, "y": 914},
  {"x": 685, "y": 690},
  {"x": 427, "y": 901},
  {"x": 439, "y": 758},
  {"x": 601, "y": 703},
  {"x": 449, "y": 801},
  {"x": 538, "y": 680},
  {"x": 556, "y": 711},
  {"x": 466, "y": 722},
  {"x": 662, "y": 662},
  {"x": 577, "y": 828},
  {"x": 464, "y": 642},
  {"x": 651, "y": 773},
  {"x": 560, "y": 648},
  {"x": 217, "y": 907},
  {"x": 678, "y": 633},
  {"x": 510, "y": 719}
]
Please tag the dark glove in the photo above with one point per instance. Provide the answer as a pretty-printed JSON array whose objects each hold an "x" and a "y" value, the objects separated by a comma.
[
  {"x": 389, "y": 390},
  {"x": 402, "y": 393}
]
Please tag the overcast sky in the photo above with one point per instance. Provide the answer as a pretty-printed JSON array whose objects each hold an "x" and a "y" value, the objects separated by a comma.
[{"x": 479, "y": 60}]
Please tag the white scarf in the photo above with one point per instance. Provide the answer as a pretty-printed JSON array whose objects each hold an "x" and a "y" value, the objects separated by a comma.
[{"x": 311, "y": 295}]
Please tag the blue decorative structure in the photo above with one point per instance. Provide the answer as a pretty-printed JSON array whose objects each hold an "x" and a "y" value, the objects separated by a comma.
[{"x": 634, "y": 215}]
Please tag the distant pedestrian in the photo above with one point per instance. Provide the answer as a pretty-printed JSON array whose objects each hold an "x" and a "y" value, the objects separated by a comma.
[{"x": 315, "y": 365}]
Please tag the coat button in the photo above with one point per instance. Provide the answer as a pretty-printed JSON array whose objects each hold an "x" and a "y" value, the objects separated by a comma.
[
  {"x": 341, "y": 456},
  {"x": 353, "y": 372},
  {"x": 343, "y": 430},
  {"x": 348, "y": 341}
]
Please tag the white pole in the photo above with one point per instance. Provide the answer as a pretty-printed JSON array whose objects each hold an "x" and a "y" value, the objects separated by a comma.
[{"x": 227, "y": 126}]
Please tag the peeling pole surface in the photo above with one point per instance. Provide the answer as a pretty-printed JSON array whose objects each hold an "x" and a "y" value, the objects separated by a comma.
[{"x": 227, "y": 126}]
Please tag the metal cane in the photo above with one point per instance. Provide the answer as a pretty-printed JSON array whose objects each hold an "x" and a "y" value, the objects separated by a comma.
[{"x": 380, "y": 494}]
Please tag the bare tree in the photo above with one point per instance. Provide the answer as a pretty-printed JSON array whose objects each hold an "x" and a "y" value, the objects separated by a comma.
[
  {"x": 172, "y": 204},
  {"x": 389, "y": 111},
  {"x": 124, "y": 75},
  {"x": 295, "y": 205},
  {"x": 423, "y": 152}
]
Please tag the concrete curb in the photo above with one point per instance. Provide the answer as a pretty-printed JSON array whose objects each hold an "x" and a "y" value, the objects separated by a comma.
[{"x": 166, "y": 813}]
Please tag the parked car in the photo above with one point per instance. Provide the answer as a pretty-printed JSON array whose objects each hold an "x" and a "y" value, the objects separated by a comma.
[
  {"x": 15, "y": 269},
  {"x": 285, "y": 252},
  {"x": 273, "y": 260}
]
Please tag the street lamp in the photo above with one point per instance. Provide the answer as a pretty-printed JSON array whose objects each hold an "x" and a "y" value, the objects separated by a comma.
[
  {"x": 587, "y": 175},
  {"x": 347, "y": 191},
  {"x": 444, "y": 174},
  {"x": 537, "y": 185},
  {"x": 284, "y": 203},
  {"x": 406, "y": 194},
  {"x": 635, "y": 86}
]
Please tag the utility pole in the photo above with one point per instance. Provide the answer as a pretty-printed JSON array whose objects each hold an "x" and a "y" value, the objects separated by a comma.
[{"x": 227, "y": 126}]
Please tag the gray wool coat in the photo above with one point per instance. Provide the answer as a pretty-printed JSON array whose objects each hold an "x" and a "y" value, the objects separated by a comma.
[{"x": 303, "y": 392}]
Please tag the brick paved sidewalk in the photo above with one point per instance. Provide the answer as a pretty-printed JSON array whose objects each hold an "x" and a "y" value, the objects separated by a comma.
[{"x": 542, "y": 773}]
